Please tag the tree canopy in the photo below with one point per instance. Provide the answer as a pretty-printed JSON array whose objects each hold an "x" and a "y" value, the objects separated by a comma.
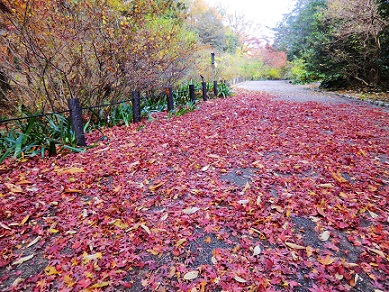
[{"x": 338, "y": 40}]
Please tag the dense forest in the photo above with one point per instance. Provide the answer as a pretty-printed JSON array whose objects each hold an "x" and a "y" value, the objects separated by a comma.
[{"x": 343, "y": 43}]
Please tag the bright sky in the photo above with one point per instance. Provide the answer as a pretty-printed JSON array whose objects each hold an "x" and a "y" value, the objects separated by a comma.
[{"x": 265, "y": 12}]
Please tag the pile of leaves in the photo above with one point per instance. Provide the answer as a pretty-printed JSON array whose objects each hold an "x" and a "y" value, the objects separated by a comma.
[{"x": 249, "y": 193}]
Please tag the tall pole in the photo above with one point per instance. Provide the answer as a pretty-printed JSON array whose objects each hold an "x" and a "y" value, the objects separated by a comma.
[
  {"x": 213, "y": 66},
  {"x": 215, "y": 89}
]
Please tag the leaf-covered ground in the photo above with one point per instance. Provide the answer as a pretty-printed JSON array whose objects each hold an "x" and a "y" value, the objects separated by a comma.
[{"x": 248, "y": 193}]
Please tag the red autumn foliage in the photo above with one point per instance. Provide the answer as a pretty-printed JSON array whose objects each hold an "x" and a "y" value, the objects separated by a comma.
[{"x": 248, "y": 193}]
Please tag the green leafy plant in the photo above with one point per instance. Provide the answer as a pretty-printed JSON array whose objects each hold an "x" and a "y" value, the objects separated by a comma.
[
  {"x": 122, "y": 114},
  {"x": 36, "y": 136},
  {"x": 188, "y": 107},
  {"x": 224, "y": 90}
]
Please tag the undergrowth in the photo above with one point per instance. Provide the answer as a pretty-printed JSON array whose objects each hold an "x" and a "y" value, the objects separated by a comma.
[{"x": 42, "y": 135}]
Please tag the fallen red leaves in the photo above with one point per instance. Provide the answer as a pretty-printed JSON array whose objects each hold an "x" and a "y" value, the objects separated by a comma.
[{"x": 246, "y": 194}]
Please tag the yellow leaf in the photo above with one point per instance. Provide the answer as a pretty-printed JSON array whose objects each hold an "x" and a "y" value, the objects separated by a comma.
[
  {"x": 89, "y": 257},
  {"x": 326, "y": 260},
  {"x": 338, "y": 177},
  {"x": 24, "y": 182},
  {"x": 191, "y": 275},
  {"x": 24, "y": 220},
  {"x": 50, "y": 270},
  {"x": 180, "y": 242},
  {"x": 154, "y": 252},
  {"x": 100, "y": 285},
  {"x": 361, "y": 152},
  {"x": 119, "y": 223},
  {"x": 69, "y": 170},
  {"x": 258, "y": 164},
  {"x": 309, "y": 251},
  {"x": 53, "y": 230},
  {"x": 294, "y": 246},
  {"x": 155, "y": 187},
  {"x": 14, "y": 188},
  {"x": 326, "y": 186},
  {"x": 376, "y": 251},
  {"x": 69, "y": 281},
  {"x": 350, "y": 265},
  {"x": 23, "y": 259}
]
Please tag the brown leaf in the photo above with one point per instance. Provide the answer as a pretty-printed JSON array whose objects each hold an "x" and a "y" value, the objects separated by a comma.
[
  {"x": 320, "y": 211},
  {"x": 326, "y": 186},
  {"x": 294, "y": 246},
  {"x": 72, "y": 191},
  {"x": 14, "y": 188},
  {"x": 338, "y": 177},
  {"x": 376, "y": 251},
  {"x": 69, "y": 170},
  {"x": 156, "y": 186}
]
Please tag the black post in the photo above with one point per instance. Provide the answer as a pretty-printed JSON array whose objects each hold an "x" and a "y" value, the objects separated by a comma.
[
  {"x": 170, "y": 102},
  {"x": 192, "y": 93},
  {"x": 136, "y": 107},
  {"x": 204, "y": 85},
  {"x": 52, "y": 148},
  {"x": 215, "y": 89},
  {"x": 76, "y": 117}
]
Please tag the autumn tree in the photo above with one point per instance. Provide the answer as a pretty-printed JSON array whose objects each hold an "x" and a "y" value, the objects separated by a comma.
[
  {"x": 356, "y": 48},
  {"x": 94, "y": 50},
  {"x": 342, "y": 42}
]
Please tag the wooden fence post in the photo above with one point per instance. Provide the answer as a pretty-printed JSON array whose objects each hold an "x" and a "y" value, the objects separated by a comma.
[
  {"x": 136, "y": 112},
  {"x": 76, "y": 118},
  {"x": 170, "y": 101},
  {"x": 192, "y": 93},
  {"x": 52, "y": 148},
  {"x": 204, "y": 86},
  {"x": 215, "y": 89}
]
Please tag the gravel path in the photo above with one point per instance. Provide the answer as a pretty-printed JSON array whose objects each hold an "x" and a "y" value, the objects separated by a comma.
[{"x": 286, "y": 91}]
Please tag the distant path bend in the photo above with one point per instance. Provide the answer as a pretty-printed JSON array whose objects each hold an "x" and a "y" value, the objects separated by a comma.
[{"x": 283, "y": 90}]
